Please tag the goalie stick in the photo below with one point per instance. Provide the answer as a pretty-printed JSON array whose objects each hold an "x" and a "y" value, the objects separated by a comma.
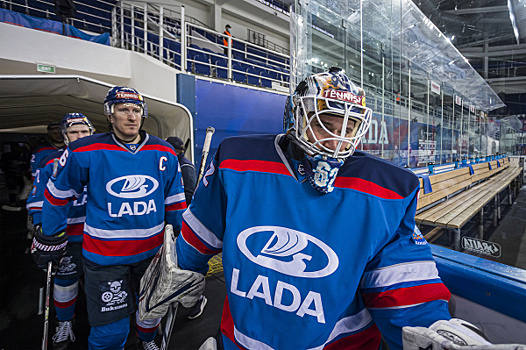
[
  {"x": 169, "y": 325},
  {"x": 48, "y": 285},
  {"x": 206, "y": 147}
]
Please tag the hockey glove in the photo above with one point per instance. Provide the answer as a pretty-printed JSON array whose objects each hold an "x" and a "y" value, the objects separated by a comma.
[
  {"x": 48, "y": 248},
  {"x": 455, "y": 334},
  {"x": 164, "y": 282}
]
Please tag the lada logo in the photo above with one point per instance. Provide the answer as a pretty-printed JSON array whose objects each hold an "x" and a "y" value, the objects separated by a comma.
[
  {"x": 132, "y": 186},
  {"x": 290, "y": 252}
]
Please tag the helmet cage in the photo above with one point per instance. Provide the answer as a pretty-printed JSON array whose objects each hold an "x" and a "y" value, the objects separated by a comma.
[
  {"x": 310, "y": 108},
  {"x": 71, "y": 119}
]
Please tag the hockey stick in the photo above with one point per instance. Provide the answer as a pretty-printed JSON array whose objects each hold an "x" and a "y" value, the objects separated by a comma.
[
  {"x": 169, "y": 325},
  {"x": 206, "y": 147},
  {"x": 46, "y": 313}
]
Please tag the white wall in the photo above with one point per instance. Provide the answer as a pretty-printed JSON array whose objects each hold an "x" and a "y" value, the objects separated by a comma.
[{"x": 23, "y": 48}]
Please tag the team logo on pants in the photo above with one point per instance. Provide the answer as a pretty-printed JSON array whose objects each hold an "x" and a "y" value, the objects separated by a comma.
[{"x": 113, "y": 296}]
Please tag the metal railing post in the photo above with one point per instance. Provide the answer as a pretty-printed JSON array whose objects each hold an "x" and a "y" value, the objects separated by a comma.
[
  {"x": 145, "y": 28},
  {"x": 122, "y": 23},
  {"x": 183, "y": 40},
  {"x": 230, "y": 73},
  {"x": 132, "y": 14},
  {"x": 161, "y": 32}
]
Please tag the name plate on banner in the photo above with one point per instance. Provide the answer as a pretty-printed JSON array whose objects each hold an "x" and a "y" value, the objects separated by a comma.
[{"x": 435, "y": 87}]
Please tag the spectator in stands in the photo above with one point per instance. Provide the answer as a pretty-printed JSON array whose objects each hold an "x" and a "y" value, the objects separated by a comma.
[{"x": 225, "y": 39}]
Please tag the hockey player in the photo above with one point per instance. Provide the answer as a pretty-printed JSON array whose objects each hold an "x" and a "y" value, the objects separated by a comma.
[
  {"x": 190, "y": 182},
  {"x": 73, "y": 126},
  {"x": 320, "y": 248},
  {"x": 134, "y": 185},
  {"x": 56, "y": 142},
  {"x": 187, "y": 168}
]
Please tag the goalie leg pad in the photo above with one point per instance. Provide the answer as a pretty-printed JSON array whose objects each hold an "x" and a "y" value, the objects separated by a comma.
[{"x": 164, "y": 283}]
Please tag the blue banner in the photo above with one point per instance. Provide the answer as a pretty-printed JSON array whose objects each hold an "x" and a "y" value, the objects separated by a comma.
[{"x": 50, "y": 26}]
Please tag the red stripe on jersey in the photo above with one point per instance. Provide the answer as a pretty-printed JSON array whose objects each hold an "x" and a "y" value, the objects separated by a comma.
[
  {"x": 55, "y": 201},
  {"x": 191, "y": 238},
  {"x": 255, "y": 165},
  {"x": 368, "y": 339},
  {"x": 50, "y": 161},
  {"x": 45, "y": 148},
  {"x": 121, "y": 247},
  {"x": 98, "y": 147},
  {"x": 158, "y": 148},
  {"x": 75, "y": 229},
  {"x": 365, "y": 186},
  {"x": 147, "y": 330},
  {"x": 407, "y": 296},
  {"x": 176, "y": 206},
  {"x": 227, "y": 324},
  {"x": 65, "y": 304}
]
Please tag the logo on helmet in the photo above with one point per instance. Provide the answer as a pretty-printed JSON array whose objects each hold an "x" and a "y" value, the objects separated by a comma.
[
  {"x": 288, "y": 251},
  {"x": 128, "y": 96},
  {"x": 343, "y": 95}
]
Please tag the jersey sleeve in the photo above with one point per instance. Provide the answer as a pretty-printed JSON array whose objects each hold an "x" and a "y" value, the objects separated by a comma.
[
  {"x": 66, "y": 183},
  {"x": 203, "y": 223},
  {"x": 190, "y": 181},
  {"x": 175, "y": 203},
  {"x": 401, "y": 286},
  {"x": 35, "y": 200}
]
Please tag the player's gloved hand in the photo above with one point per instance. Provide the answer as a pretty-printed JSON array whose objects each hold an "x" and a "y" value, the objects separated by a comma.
[
  {"x": 48, "y": 248},
  {"x": 455, "y": 334}
]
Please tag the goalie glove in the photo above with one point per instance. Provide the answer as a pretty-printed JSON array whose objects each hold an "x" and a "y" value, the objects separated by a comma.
[
  {"x": 164, "y": 283},
  {"x": 48, "y": 248},
  {"x": 455, "y": 334}
]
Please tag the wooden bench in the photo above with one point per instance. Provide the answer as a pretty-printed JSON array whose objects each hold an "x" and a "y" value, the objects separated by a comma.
[{"x": 458, "y": 195}]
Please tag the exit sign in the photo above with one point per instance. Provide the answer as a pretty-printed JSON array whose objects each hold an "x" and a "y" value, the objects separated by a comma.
[{"x": 46, "y": 68}]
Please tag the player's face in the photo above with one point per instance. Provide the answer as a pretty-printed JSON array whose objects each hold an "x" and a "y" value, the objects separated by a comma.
[
  {"x": 77, "y": 131},
  {"x": 333, "y": 124},
  {"x": 126, "y": 120},
  {"x": 55, "y": 135}
]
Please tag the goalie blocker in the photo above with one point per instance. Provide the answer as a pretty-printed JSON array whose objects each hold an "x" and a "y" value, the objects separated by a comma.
[{"x": 164, "y": 283}]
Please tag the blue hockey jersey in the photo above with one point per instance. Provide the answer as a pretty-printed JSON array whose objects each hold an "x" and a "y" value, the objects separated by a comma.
[
  {"x": 35, "y": 200},
  {"x": 39, "y": 154},
  {"x": 306, "y": 270},
  {"x": 131, "y": 190}
]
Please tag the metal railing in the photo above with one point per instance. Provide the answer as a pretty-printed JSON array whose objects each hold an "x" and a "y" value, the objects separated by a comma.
[
  {"x": 95, "y": 19},
  {"x": 191, "y": 47}
]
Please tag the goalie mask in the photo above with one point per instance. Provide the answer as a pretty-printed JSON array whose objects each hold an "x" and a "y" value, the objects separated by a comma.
[
  {"x": 71, "y": 119},
  {"x": 335, "y": 95},
  {"x": 125, "y": 95}
]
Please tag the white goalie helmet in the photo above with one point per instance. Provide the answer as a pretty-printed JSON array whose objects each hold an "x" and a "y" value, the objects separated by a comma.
[{"x": 330, "y": 93}]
